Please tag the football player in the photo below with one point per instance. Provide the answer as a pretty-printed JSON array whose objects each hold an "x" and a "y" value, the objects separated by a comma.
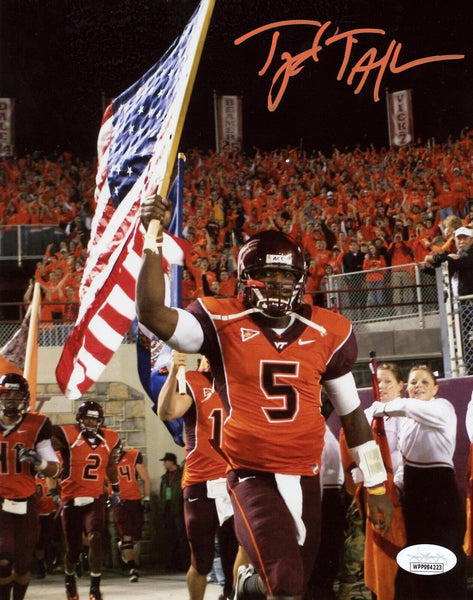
[
  {"x": 25, "y": 441},
  {"x": 270, "y": 355},
  {"x": 88, "y": 453},
  {"x": 129, "y": 513},
  {"x": 207, "y": 508}
]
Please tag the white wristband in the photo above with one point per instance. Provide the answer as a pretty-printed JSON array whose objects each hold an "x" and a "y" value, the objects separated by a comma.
[
  {"x": 151, "y": 244},
  {"x": 369, "y": 460}
]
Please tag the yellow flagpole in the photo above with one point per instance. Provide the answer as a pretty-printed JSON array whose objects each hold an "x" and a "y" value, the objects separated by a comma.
[
  {"x": 155, "y": 226},
  {"x": 30, "y": 371}
]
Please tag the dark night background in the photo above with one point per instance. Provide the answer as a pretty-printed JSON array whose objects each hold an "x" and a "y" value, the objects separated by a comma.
[{"x": 58, "y": 57}]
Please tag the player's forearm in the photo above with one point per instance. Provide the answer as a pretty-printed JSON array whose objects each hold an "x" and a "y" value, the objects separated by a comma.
[
  {"x": 150, "y": 297},
  {"x": 356, "y": 427},
  {"x": 171, "y": 404}
]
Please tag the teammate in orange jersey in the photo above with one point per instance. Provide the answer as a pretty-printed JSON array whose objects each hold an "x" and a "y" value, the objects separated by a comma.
[
  {"x": 207, "y": 508},
  {"x": 129, "y": 513},
  {"x": 25, "y": 440},
  {"x": 87, "y": 453},
  {"x": 270, "y": 354}
]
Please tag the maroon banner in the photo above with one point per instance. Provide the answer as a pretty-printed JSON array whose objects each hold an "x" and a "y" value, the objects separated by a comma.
[
  {"x": 228, "y": 123},
  {"x": 7, "y": 129},
  {"x": 400, "y": 118}
]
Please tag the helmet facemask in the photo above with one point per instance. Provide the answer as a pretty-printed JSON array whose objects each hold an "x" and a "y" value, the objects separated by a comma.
[
  {"x": 89, "y": 429},
  {"x": 13, "y": 404},
  {"x": 90, "y": 410},
  {"x": 275, "y": 299}
]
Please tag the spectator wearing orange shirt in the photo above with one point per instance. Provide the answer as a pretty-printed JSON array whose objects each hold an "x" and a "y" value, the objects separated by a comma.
[
  {"x": 374, "y": 261},
  {"x": 447, "y": 201},
  {"x": 188, "y": 288},
  {"x": 227, "y": 283},
  {"x": 448, "y": 227},
  {"x": 52, "y": 308},
  {"x": 401, "y": 276}
]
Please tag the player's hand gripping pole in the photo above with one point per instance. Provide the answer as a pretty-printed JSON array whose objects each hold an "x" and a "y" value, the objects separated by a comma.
[{"x": 153, "y": 239}]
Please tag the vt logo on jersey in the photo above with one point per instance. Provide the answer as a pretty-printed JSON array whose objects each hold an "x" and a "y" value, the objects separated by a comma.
[
  {"x": 247, "y": 334},
  {"x": 280, "y": 345}
]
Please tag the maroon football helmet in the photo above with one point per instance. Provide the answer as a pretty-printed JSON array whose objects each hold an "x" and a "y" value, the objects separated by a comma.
[
  {"x": 263, "y": 253},
  {"x": 91, "y": 410},
  {"x": 14, "y": 395}
]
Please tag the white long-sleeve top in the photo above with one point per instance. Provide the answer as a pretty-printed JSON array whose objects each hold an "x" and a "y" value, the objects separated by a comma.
[
  {"x": 427, "y": 437},
  {"x": 469, "y": 419}
]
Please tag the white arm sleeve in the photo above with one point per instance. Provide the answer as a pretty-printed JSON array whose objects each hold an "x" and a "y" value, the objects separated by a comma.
[
  {"x": 343, "y": 394},
  {"x": 188, "y": 335},
  {"x": 45, "y": 449}
]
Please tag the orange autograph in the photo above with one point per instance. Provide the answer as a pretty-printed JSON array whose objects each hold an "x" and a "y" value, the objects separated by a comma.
[{"x": 364, "y": 66}]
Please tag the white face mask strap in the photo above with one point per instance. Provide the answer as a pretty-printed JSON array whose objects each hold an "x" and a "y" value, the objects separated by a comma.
[{"x": 318, "y": 328}]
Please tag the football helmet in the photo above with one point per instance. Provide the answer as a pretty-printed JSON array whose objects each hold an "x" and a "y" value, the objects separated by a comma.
[
  {"x": 14, "y": 395},
  {"x": 266, "y": 252},
  {"x": 90, "y": 410}
]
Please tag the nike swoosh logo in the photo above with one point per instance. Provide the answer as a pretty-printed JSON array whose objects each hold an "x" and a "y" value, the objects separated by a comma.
[
  {"x": 242, "y": 479},
  {"x": 304, "y": 342},
  {"x": 192, "y": 499}
]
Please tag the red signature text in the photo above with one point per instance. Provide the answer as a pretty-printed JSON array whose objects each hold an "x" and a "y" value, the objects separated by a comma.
[{"x": 371, "y": 62}]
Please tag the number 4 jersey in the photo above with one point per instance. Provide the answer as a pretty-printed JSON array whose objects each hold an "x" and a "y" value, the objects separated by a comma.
[{"x": 270, "y": 384}]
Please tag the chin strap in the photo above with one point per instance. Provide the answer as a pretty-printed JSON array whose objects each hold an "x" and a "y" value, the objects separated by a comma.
[
  {"x": 250, "y": 311},
  {"x": 236, "y": 315}
]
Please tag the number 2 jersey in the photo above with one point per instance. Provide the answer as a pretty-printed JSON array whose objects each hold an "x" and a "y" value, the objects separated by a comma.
[
  {"x": 84, "y": 463},
  {"x": 270, "y": 384}
]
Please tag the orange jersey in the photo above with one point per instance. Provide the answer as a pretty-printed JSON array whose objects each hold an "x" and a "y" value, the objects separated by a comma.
[
  {"x": 203, "y": 423},
  {"x": 46, "y": 505},
  {"x": 127, "y": 476},
  {"x": 17, "y": 480},
  {"x": 271, "y": 384},
  {"x": 84, "y": 464}
]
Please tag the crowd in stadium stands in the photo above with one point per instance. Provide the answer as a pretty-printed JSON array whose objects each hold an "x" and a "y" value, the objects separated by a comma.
[{"x": 393, "y": 203}]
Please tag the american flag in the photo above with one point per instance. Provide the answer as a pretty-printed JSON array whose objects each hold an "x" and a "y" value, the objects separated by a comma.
[{"x": 135, "y": 144}]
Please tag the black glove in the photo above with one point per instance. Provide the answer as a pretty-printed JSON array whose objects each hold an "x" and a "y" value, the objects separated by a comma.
[
  {"x": 31, "y": 456},
  {"x": 115, "y": 497},
  {"x": 55, "y": 496},
  {"x": 146, "y": 505}
]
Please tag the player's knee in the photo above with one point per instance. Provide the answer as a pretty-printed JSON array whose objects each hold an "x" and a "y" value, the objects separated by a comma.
[
  {"x": 203, "y": 567},
  {"x": 94, "y": 536},
  {"x": 5, "y": 566}
]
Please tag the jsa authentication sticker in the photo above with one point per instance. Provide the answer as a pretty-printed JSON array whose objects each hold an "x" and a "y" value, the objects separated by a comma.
[{"x": 426, "y": 559}]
